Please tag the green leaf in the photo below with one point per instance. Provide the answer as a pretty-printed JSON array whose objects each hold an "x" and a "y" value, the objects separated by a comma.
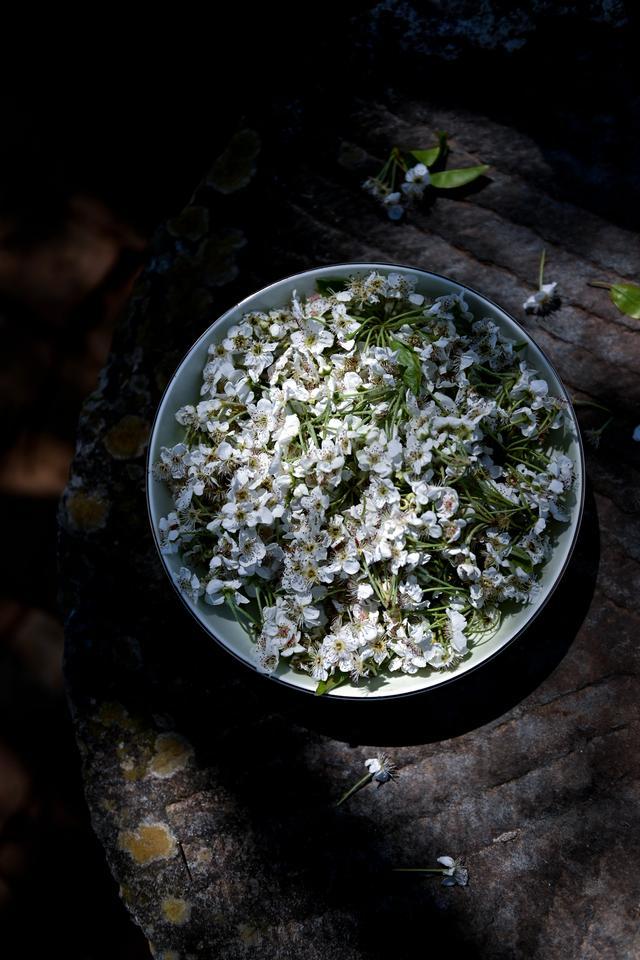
[
  {"x": 439, "y": 152},
  {"x": 329, "y": 285},
  {"x": 412, "y": 375},
  {"x": 413, "y": 378},
  {"x": 522, "y": 557},
  {"x": 626, "y": 297},
  {"x": 428, "y": 157},
  {"x": 334, "y": 681},
  {"x": 448, "y": 179}
]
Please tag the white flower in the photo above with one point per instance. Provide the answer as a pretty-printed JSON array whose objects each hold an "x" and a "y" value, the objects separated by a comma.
[
  {"x": 219, "y": 591},
  {"x": 381, "y": 768},
  {"x": 374, "y": 187},
  {"x": 258, "y": 357},
  {"x": 446, "y": 502},
  {"x": 303, "y": 611},
  {"x": 189, "y": 583},
  {"x": 468, "y": 571},
  {"x": 169, "y": 528},
  {"x": 239, "y": 387},
  {"x": 186, "y": 416},
  {"x": 383, "y": 491},
  {"x": 289, "y": 429},
  {"x": 338, "y": 649},
  {"x": 313, "y": 338},
  {"x": 238, "y": 338},
  {"x": 543, "y": 300},
  {"x": 344, "y": 326},
  {"x": 410, "y": 657},
  {"x": 410, "y": 593},
  {"x": 267, "y": 659},
  {"x": 416, "y": 180},
  {"x": 455, "y": 629},
  {"x": 173, "y": 459},
  {"x": 526, "y": 419},
  {"x": 454, "y": 873},
  {"x": 328, "y": 458},
  {"x": 316, "y": 665},
  {"x": 250, "y": 553},
  {"x": 393, "y": 204}
]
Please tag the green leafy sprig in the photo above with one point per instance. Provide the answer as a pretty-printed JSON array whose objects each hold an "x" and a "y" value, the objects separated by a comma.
[{"x": 407, "y": 174}]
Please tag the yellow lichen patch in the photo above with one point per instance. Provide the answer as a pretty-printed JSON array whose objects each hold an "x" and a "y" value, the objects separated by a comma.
[
  {"x": 191, "y": 223},
  {"x": 134, "y": 766},
  {"x": 112, "y": 713},
  {"x": 176, "y": 910},
  {"x": 133, "y": 771},
  {"x": 173, "y": 753},
  {"x": 151, "y": 841},
  {"x": 86, "y": 511},
  {"x": 158, "y": 954},
  {"x": 126, "y": 892},
  {"x": 127, "y": 439},
  {"x": 235, "y": 167}
]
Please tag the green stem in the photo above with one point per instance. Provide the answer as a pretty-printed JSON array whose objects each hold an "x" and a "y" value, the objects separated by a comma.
[
  {"x": 591, "y": 403},
  {"x": 358, "y": 786},
  {"x": 541, "y": 270}
]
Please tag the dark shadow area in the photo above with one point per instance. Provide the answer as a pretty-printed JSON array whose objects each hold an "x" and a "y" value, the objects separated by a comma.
[
  {"x": 56, "y": 886},
  {"x": 30, "y": 525}
]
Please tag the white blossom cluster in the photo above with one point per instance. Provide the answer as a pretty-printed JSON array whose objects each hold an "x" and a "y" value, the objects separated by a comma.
[
  {"x": 365, "y": 479},
  {"x": 416, "y": 179}
]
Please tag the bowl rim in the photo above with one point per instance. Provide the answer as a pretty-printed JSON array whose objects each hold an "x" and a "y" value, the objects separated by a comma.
[{"x": 446, "y": 680}]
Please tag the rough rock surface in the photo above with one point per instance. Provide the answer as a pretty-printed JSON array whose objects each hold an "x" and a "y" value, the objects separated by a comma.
[{"x": 212, "y": 792}]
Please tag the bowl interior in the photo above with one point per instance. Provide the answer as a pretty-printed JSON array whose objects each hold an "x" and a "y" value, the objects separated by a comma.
[{"x": 184, "y": 388}]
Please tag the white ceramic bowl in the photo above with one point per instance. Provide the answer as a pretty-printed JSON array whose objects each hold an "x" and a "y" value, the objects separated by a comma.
[{"x": 184, "y": 388}]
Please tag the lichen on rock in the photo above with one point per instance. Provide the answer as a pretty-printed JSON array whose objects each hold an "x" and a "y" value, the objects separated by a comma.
[
  {"x": 236, "y": 165},
  {"x": 86, "y": 511},
  {"x": 172, "y": 753},
  {"x": 176, "y": 910},
  {"x": 148, "y": 842},
  {"x": 128, "y": 438}
]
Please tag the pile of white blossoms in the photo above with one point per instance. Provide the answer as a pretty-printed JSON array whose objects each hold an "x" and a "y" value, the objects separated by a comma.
[{"x": 366, "y": 480}]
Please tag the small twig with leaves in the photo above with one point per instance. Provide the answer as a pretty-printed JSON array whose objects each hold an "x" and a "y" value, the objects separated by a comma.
[{"x": 402, "y": 181}]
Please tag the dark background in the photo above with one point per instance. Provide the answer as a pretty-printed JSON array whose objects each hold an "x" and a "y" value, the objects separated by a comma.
[{"x": 96, "y": 149}]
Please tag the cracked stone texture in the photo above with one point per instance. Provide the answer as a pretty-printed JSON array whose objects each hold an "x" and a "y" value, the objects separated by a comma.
[{"x": 213, "y": 792}]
